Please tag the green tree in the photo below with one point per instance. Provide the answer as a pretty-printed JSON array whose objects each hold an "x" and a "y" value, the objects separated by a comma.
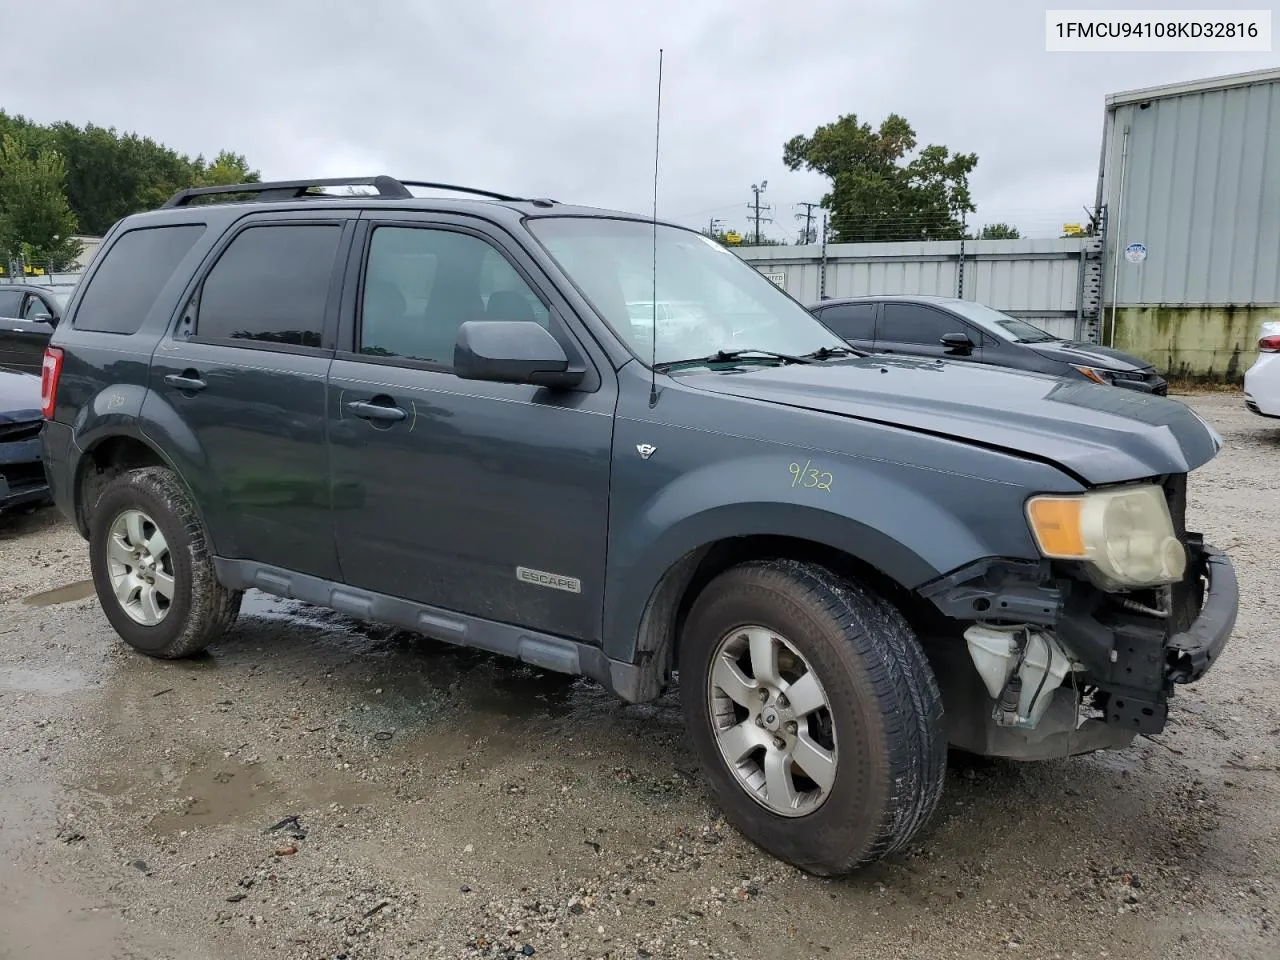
[
  {"x": 36, "y": 222},
  {"x": 110, "y": 175},
  {"x": 227, "y": 168},
  {"x": 879, "y": 190},
  {"x": 999, "y": 231}
]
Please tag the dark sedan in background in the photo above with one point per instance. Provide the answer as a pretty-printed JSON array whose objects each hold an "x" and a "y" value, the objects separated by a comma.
[
  {"x": 947, "y": 327},
  {"x": 28, "y": 314},
  {"x": 22, "y": 479}
]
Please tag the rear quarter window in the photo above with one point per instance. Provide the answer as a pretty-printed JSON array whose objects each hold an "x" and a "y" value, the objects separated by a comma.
[{"x": 136, "y": 267}]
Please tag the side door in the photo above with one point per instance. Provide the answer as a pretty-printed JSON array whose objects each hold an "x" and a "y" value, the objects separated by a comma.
[
  {"x": 32, "y": 332},
  {"x": 855, "y": 323},
  {"x": 917, "y": 330},
  {"x": 245, "y": 371},
  {"x": 486, "y": 499},
  {"x": 10, "y": 327}
]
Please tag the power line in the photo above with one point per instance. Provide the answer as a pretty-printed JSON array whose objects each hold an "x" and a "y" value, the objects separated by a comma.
[
  {"x": 755, "y": 206},
  {"x": 807, "y": 236}
]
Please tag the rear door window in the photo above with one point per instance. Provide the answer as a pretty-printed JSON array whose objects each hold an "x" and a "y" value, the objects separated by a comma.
[
  {"x": 270, "y": 285},
  {"x": 10, "y": 302},
  {"x": 124, "y": 287}
]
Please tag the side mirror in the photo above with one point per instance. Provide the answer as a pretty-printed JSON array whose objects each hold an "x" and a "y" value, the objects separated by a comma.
[
  {"x": 957, "y": 343},
  {"x": 512, "y": 351}
]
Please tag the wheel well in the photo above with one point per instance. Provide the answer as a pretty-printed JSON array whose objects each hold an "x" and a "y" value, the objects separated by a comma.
[
  {"x": 104, "y": 462},
  {"x": 658, "y": 644}
]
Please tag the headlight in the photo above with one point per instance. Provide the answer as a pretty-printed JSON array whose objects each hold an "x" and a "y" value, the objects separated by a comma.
[
  {"x": 1124, "y": 534},
  {"x": 1104, "y": 377}
]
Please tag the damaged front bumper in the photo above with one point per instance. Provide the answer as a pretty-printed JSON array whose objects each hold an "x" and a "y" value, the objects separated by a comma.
[
  {"x": 22, "y": 477},
  {"x": 1126, "y": 656}
]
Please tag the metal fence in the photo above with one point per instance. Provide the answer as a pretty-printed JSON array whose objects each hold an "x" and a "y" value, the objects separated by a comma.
[
  {"x": 1053, "y": 282},
  {"x": 17, "y": 270}
]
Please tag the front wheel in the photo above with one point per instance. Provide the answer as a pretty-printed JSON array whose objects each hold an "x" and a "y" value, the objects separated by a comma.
[
  {"x": 815, "y": 714},
  {"x": 151, "y": 567}
]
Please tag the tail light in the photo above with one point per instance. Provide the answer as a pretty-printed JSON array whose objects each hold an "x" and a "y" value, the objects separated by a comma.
[
  {"x": 1270, "y": 344},
  {"x": 50, "y": 371}
]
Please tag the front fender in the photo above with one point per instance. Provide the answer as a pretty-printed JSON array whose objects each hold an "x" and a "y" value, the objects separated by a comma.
[{"x": 892, "y": 520}]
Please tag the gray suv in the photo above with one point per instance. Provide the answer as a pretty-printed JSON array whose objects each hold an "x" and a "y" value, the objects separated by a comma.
[{"x": 446, "y": 413}]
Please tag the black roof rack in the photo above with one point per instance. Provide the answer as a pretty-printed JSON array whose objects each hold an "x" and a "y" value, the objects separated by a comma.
[
  {"x": 387, "y": 187},
  {"x": 449, "y": 186}
]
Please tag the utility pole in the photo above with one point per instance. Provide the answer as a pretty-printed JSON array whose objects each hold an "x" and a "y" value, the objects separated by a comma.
[
  {"x": 822, "y": 272},
  {"x": 755, "y": 207},
  {"x": 808, "y": 235},
  {"x": 713, "y": 227}
]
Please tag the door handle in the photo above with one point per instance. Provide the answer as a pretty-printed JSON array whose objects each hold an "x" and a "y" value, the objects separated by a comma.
[
  {"x": 370, "y": 410},
  {"x": 188, "y": 380}
]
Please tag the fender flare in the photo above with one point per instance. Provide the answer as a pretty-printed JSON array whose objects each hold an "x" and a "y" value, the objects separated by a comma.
[
  {"x": 116, "y": 412},
  {"x": 632, "y": 592}
]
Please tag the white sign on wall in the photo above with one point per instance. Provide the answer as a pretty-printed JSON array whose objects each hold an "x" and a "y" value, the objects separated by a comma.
[{"x": 779, "y": 278}]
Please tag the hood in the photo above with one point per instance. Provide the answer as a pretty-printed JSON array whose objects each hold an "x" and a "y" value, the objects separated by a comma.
[
  {"x": 1100, "y": 434},
  {"x": 1089, "y": 355},
  {"x": 19, "y": 397}
]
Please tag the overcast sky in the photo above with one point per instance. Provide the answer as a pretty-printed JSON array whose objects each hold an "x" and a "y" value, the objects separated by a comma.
[{"x": 556, "y": 97}]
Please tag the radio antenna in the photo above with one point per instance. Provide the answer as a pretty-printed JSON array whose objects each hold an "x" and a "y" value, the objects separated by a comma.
[{"x": 653, "y": 346}]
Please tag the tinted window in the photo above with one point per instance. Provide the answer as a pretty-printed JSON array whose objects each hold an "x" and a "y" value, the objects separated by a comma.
[
  {"x": 912, "y": 323},
  {"x": 127, "y": 282},
  {"x": 36, "y": 309},
  {"x": 10, "y": 302},
  {"x": 271, "y": 284},
  {"x": 421, "y": 285},
  {"x": 851, "y": 321}
]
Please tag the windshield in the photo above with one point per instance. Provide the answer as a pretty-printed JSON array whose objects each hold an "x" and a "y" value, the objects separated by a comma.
[
  {"x": 1001, "y": 324},
  {"x": 707, "y": 299}
]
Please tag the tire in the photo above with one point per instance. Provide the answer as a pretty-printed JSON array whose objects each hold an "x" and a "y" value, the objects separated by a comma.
[
  {"x": 199, "y": 609},
  {"x": 881, "y": 719}
]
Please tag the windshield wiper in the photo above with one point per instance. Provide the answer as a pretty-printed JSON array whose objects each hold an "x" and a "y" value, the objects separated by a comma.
[
  {"x": 826, "y": 353},
  {"x": 727, "y": 356}
]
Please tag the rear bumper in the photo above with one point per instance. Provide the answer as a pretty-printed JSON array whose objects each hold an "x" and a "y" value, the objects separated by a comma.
[{"x": 1254, "y": 407}]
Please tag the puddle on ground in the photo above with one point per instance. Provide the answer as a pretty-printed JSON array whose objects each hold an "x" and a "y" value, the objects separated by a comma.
[
  {"x": 219, "y": 791},
  {"x": 53, "y": 680},
  {"x": 67, "y": 593}
]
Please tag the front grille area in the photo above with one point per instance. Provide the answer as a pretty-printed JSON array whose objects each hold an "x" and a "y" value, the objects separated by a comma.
[
  {"x": 1149, "y": 379},
  {"x": 1186, "y": 595},
  {"x": 22, "y": 475},
  {"x": 14, "y": 432},
  {"x": 1175, "y": 492}
]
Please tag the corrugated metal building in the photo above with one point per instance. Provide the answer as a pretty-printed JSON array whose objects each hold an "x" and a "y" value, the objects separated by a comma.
[
  {"x": 1190, "y": 179},
  {"x": 1038, "y": 280}
]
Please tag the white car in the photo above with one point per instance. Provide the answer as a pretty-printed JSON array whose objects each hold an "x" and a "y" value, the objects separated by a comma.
[{"x": 1262, "y": 380}]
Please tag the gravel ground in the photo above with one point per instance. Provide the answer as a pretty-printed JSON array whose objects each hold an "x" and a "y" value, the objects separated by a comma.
[{"x": 430, "y": 802}]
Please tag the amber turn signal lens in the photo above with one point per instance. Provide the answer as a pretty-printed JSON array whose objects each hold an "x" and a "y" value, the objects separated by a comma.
[{"x": 1055, "y": 521}]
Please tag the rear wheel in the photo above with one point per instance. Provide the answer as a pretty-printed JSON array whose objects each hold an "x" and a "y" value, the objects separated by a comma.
[
  {"x": 151, "y": 568},
  {"x": 815, "y": 713}
]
